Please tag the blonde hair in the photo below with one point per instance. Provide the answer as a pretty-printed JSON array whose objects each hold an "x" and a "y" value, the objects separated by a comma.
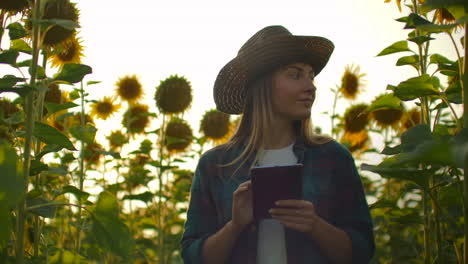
[{"x": 257, "y": 118}]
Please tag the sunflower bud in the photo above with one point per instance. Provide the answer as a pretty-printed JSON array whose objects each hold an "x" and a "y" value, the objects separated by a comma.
[
  {"x": 215, "y": 124},
  {"x": 173, "y": 95},
  {"x": 136, "y": 118},
  {"x": 59, "y": 9},
  {"x": 14, "y": 5},
  {"x": 117, "y": 139},
  {"x": 178, "y": 135},
  {"x": 356, "y": 118},
  {"x": 129, "y": 88}
]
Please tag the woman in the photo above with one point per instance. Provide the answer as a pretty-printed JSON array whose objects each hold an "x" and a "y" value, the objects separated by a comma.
[{"x": 270, "y": 83}]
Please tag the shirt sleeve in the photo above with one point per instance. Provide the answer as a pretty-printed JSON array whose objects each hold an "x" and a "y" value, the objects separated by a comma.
[
  {"x": 352, "y": 211},
  {"x": 201, "y": 219}
]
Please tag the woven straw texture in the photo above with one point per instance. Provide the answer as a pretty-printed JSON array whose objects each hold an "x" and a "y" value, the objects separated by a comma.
[{"x": 268, "y": 49}]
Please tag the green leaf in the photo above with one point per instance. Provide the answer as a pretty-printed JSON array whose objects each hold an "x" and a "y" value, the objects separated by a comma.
[
  {"x": 67, "y": 257},
  {"x": 399, "y": 46},
  {"x": 25, "y": 63},
  {"x": 92, "y": 82},
  {"x": 16, "y": 31},
  {"x": 53, "y": 108},
  {"x": 435, "y": 28},
  {"x": 384, "y": 102},
  {"x": 73, "y": 72},
  {"x": 8, "y": 81},
  {"x": 107, "y": 205},
  {"x": 439, "y": 59},
  {"x": 113, "y": 235},
  {"x": 37, "y": 167},
  {"x": 80, "y": 195},
  {"x": 87, "y": 133},
  {"x": 431, "y": 4},
  {"x": 6, "y": 226},
  {"x": 145, "y": 197},
  {"x": 48, "y": 149},
  {"x": 50, "y": 135},
  {"x": 415, "y": 136},
  {"x": 21, "y": 46},
  {"x": 114, "y": 154},
  {"x": 47, "y": 211},
  {"x": 460, "y": 150},
  {"x": 412, "y": 60},
  {"x": 9, "y": 57},
  {"x": 67, "y": 24},
  {"x": 454, "y": 93},
  {"x": 420, "y": 177},
  {"x": 391, "y": 151},
  {"x": 416, "y": 87},
  {"x": 420, "y": 39},
  {"x": 415, "y": 20},
  {"x": 13, "y": 185}
]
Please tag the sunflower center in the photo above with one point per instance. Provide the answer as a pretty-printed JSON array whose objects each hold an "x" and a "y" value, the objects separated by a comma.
[
  {"x": 68, "y": 52},
  {"x": 104, "y": 108}
]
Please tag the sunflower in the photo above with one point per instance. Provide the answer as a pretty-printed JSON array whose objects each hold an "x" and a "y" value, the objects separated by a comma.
[
  {"x": 178, "y": 135},
  {"x": 356, "y": 118},
  {"x": 351, "y": 82},
  {"x": 59, "y": 9},
  {"x": 387, "y": 117},
  {"x": 139, "y": 160},
  {"x": 14, "y": 5},
  {"x": 69, "y": 51},
  {"x": 91, "y": 154},
  {"x": 136, "y": 118},
  {"x": 215, "y": 125},
  {"x": 410, "y": 119},
  {"x": 443, "y": 16},
  {"x": 129, "y": 88},
  {"x": 53, "y": 94},
  {"x": 398, "y": 2},
  {"x": 104, "y": 108},
  {"x": 7, "y": 108},
  {"x": 117, "y": 139},
  {"x": 356, "y": 142},
  {"x": 173, "y": 95}
]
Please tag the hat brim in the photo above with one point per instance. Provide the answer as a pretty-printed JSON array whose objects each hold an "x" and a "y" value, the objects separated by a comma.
[{"x": 230, "y": 87}]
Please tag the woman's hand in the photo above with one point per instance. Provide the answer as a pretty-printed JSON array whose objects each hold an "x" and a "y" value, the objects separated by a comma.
[
  {"x": 242, "y": 211},
  {"x": 295, "y": 214}
]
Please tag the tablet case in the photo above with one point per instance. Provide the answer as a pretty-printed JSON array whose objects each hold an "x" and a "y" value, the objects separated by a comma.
[{"x": 270, "y": 184}]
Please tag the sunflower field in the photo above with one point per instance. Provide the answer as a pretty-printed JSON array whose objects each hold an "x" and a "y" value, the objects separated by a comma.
[{"x": 67, "y": 197}]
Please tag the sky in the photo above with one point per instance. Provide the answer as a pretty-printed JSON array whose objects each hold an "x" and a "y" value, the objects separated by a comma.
[{"x": 195, "y": 39}]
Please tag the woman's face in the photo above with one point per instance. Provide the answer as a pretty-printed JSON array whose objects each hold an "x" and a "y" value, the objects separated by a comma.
[{"x": 293, "y": 91}]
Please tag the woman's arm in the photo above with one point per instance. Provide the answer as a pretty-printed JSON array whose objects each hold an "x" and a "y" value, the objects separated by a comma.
[
  {"x": 300, "y": 215},
  {"x": 218, "y": 247}
]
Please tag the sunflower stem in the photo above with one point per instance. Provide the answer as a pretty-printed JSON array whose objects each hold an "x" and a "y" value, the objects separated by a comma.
[
  {"x": 160, "y": 193},
  {"x": 81, "y": 172},
  {"x": 2, "y": 30},
  {"x": 465, "y": 125},
  {"x": 335, "y": 100}
]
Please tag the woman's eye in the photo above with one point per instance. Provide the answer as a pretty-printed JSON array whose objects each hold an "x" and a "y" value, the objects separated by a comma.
[{"x": 295, "y": 75}]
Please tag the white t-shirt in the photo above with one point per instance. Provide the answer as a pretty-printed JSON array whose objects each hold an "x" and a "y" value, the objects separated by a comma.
[{"x": 271, "y": 245}]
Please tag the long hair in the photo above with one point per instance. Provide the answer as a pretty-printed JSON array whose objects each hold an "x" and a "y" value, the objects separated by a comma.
[{"x": 257, "y": 118}]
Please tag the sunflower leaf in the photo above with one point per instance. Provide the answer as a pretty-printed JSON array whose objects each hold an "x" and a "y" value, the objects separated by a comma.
[
  {"x": 412, "y": 60},
  {"x": 48, "y": 210},
  {"x": 21, "y": 46},
  {"x": 417, "y": 87},
  {"x": 80, "y": 195},
  {"x": 434, "y": 28},
  {"x": 53, "y": 108},
  {"x": 420, "y": 39},
  {"x": 8, "y": 81},
  {"x": 87, "y": 133},
  {"x": 73, "y": 72},
  {"x": 145, "y": 197},
  {"x": 415, "y": 20},
  {"x": 399, "y": 46},
  {"x": 9, "y": 56},
  {"x": 51, "y": 135},
  {"x": 65, "y": 23},
  {"x": 12, "y": 189},
  {"x": 16, "y": 31},
  {"x": 384, "y": 102}
]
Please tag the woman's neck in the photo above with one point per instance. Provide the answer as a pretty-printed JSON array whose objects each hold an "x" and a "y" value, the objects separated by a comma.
[{"x": 281, "y": 134}]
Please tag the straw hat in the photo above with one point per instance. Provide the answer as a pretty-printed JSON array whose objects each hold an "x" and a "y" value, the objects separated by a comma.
[{"x": 268, "y": 49}]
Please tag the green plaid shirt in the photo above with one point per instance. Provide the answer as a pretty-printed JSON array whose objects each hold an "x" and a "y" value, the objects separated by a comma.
[{"x": 330, "y": 181}]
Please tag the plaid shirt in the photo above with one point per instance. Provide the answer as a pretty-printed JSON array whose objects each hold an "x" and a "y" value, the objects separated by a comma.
[{"x": 330, "y": 181}]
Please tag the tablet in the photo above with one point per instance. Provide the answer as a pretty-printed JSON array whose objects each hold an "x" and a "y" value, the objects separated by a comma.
[{"x": 270, "y": 184}]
